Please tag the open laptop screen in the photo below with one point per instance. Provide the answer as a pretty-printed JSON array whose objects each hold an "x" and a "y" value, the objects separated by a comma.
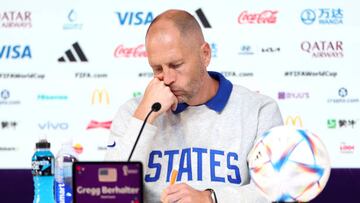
[{"x": 107, "y": 182}]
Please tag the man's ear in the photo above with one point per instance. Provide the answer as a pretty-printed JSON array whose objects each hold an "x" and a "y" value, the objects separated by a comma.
[{"x": 205, "y": 54}]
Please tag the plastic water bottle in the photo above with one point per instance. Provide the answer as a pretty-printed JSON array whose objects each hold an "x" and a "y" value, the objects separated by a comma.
[
  {"x": 43, "y": 173},
  {"x": 63, "y": 173}
]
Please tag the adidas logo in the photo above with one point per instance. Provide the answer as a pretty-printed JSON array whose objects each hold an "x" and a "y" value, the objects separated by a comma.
[
  {"x": 203, "y": 18},
  {"x": 69, "y": 54}
]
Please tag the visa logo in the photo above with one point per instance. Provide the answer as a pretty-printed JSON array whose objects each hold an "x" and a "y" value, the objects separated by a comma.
[
  {"x": 15, "y": 52},
  {"x": 53, "y": 126},
  {"x": 135, "y": 18}
]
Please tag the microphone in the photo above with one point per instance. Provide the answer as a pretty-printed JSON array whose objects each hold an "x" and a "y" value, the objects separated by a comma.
[{"x": 154, "y": 108}]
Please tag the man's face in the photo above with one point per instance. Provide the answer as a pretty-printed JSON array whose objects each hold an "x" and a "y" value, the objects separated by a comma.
[{"x": 176, "y": 62}]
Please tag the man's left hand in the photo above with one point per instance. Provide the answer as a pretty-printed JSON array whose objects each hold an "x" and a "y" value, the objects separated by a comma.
[{"x": 183, "y": 193}]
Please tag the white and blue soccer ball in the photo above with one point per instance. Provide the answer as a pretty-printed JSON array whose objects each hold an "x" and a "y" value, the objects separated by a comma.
[{"x": 288, "y": 164}]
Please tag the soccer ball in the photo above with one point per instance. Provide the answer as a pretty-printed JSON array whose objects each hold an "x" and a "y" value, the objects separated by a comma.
[{"x": 288, "y": 164}]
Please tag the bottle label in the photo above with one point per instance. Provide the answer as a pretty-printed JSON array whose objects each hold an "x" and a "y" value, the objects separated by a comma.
[
  {"x": 43, "y": 166},
  {"x": 63, "y": 192}
]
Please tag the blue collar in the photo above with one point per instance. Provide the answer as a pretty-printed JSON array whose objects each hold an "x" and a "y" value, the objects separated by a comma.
[{"x": 218, "y": 102}]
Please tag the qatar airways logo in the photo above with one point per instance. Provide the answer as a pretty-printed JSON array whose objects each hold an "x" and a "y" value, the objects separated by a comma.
[
  {"x": 123, "y": 51},
  {"x": 323, "y": 49},
  {"x": 15, "y": 19},
  {"x": 347, "y": 148},
  {"x": 264, "y": 17}
]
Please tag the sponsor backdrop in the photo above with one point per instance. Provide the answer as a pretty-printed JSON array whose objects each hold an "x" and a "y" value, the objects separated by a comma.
[{"x": 67, "y": 66}]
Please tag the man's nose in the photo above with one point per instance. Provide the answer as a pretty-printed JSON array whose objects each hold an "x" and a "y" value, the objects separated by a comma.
[{"x": 169, "y": 76}]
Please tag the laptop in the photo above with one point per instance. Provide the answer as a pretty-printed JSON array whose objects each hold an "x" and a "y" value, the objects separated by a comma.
[{"x": 107, "y": 182}]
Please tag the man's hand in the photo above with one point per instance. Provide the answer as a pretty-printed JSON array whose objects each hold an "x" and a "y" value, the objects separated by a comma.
[
  {"x": 183, "y": 193},
  {"x": 156, "y": 91}
]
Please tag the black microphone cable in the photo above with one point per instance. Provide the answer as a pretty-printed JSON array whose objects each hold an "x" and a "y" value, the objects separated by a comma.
[{"x": 154, "y": 108}]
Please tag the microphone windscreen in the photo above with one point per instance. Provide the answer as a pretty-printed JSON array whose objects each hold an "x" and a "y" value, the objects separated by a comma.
[{"x": 156, "y": 106}]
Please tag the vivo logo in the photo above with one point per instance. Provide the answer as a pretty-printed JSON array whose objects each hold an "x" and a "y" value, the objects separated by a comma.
[
  {"x": 135, "y": 18},
  {"x": 15, "y": 51},
  {"x": 53, "y": 126}
]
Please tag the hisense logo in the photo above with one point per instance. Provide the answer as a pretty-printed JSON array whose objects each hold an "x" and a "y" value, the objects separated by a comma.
[{"x": 52, "y": 97}]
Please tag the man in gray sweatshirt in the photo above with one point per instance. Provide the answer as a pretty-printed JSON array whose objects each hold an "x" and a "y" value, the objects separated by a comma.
[{"x": 206, "y": 125}]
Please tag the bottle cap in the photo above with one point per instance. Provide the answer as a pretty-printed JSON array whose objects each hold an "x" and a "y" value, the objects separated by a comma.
[
  {"x": 67, "y": 142},
  {"x": 43, "y": 143}
]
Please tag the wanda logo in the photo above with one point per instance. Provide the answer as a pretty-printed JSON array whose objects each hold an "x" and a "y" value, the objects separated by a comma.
[
  {"x": 265, "y": 17},
  {"x": 127, "y": 52}
]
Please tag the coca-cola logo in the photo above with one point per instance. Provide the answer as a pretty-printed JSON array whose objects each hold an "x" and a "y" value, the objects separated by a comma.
[
  {"x": 127, "y": 52},
  {"x": 265, "y": 17}
]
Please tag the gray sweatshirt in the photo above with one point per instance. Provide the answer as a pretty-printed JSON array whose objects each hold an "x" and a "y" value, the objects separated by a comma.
[{"x": 208, "y": 144}]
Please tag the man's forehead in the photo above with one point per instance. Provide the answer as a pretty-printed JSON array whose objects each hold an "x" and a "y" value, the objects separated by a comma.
[{"x": 164, "y": 40}]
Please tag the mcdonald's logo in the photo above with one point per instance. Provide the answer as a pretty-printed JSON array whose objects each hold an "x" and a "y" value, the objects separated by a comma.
[
  {"x": 98, "y": 95},
  {"x": 294, "y": 121}
]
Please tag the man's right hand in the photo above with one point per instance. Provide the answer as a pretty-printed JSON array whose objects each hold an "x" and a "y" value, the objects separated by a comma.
[{"x": 156, "y": 91}]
